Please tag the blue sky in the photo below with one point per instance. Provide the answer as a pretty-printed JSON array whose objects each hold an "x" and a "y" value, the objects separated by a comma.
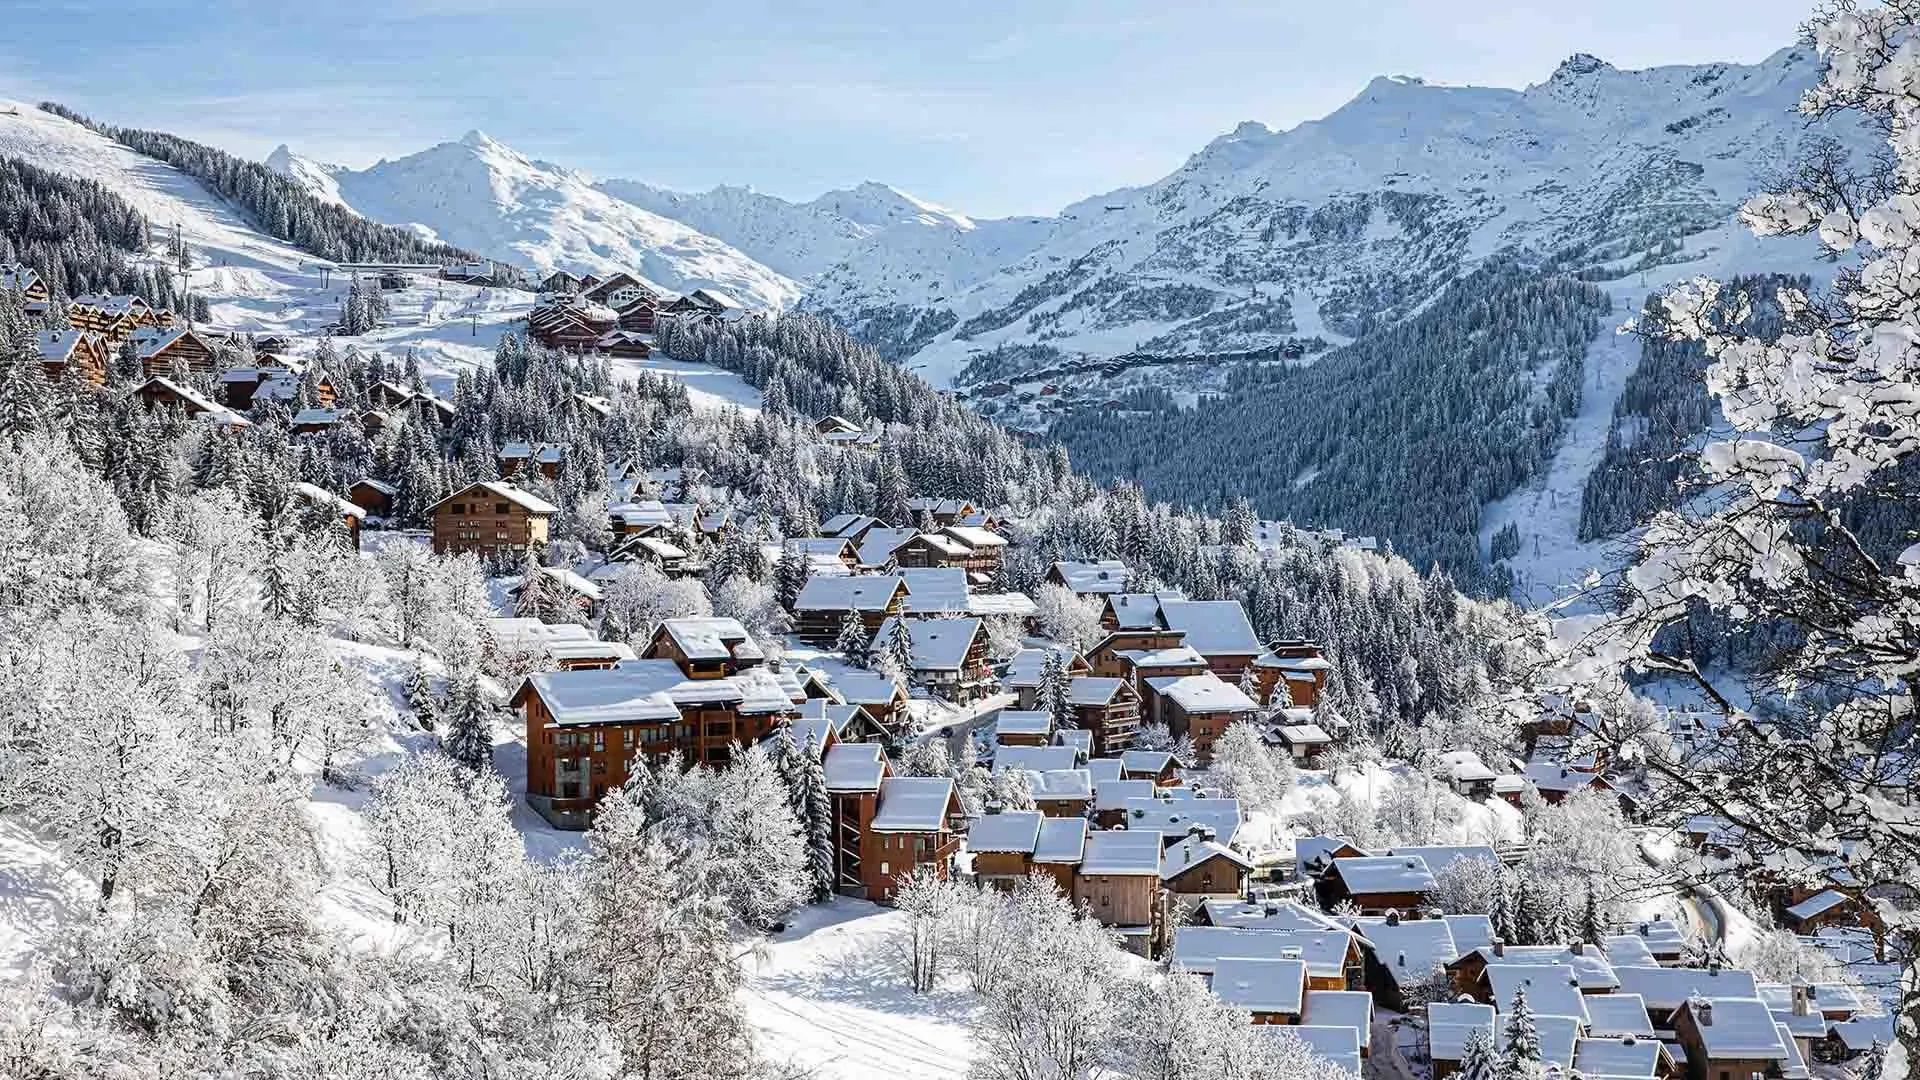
[{"x": 990, "y": 106}]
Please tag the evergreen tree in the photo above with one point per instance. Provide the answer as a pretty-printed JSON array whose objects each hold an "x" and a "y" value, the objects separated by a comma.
[
  {"x": 1520, "y": 1058},
  {"x": 816, "y": 820},
  {"x": 789, "y": 577},
  {"x": 896, "y": 653},
  {"x": 419, "y": 694},
  {"x": 1501, "y": 914},
  {"x": 852, "y": 642},
  {"x": 469, "y": 737},
  {"x": 532, "y": 601},
  {"x": 1055, "y": 694},
  {"x": 1591, "y": 929},
  {"x": 1478, "y": 1060}
]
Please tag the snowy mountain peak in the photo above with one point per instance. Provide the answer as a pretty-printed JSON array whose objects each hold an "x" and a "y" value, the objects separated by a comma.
[
  {"x": 477, "y": 139},
  {"x": 1580, "y": 64}
]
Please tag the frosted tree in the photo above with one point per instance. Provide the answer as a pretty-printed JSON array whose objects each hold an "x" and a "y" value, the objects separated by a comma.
[
  {"x": 642, "y": 597},
  {"x": 852, "y": 642},
  {"x": 468, "y": 715},
  {"x": 1054, "y": 696},
  {"x": 789, "y": 577},
  {"x": 895, "y": 651},
  {"x": 1068, "y": 619},
  {"x": 756, "y": 854},
  {"x": 408, "y": 572},
  {"x": 927, "y": 900},
  {"x": 817, "y": 819},
  {"x": 532, "y": 601},
  {"x": 1823, "y": 417},
  {"x": 419, "y": 694},
  {"x": 1250, "y": 686},
  {"x": 1478, "y": 1058},
  {"x": 1245, "y": 768},
  {"x": 1520, "y": 1055},
  {"x": 1011, "y": 789}
]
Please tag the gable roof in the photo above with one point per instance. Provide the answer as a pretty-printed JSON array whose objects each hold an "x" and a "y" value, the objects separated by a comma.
[
  {"x": 606, "y": 696},
  {"x": 1340, "y": 1045},
  {"x": 1093, "y": 689},
  {"x": 1185, "y": 854},
  {"x": 1341, "y": 1008},
  {"x": 1213, "y": 627},
  {"x": 1384, "y": 874},
  {"x": 1270, "y": 916},
  {"x": 1200, "y": 948},
  {"x": 1552, "y": 989},
  {"x": 1059, "y": 784},
  {"x": 1666, "y": 989},
  {"x": 1062, "y": 840},
  {"x": 1105, "y": 576},
  {"x": 913, "y": 804},
  {"x": 1589, "y": 965},
  {"x": 1138, "y": 611},
  {"x": 1742, "y": 1029},
  {"x": 1618, "y": 1014},
  {"x": 1410, "y": 948},
  {"x": 880, "y": 542},
  {"x": 935, "y": 590},
  {"x": 1203, "y": 693},
  {"x": 1035, "y": 758},
  {"x": 1121, "y": 853},
  {"x": 867, "y": 592},
  {"x": 1450, "y": 1022},
  {"x": 711, "y": 637},
  {"x": 526, "y": 500},
  {"x": 1025, "y": 667},
  {"x": 1261, "y": 985},
  {"x": 856, "y": 686},
  {"x": 1438, "y": 857},
  {"x": 938, "y": 644},
  {"x": 1171, "y": 817},
  {"x": 855, "y": 767},
  {"x": 1006, "y": 831}
]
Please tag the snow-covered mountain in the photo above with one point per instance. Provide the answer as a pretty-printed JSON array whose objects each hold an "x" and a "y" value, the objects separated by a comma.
[
  {"x": 1284, "y": 242},
  {"x": 482, "y": 195},
  {"x": 797, "y": 239}
]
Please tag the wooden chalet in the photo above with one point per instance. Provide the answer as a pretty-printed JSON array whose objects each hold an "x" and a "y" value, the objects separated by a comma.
[
  {"x": 1002, "y": 843},
  {"x": 623, "y": 343},
  {"x": 1017, "y": 727},
  {"x": 1090, "y": 578},
  {"x": 1199, "y": 867},
  {"x": 1731, "y": 1039},
  {"x": 618, "y": 291},
  {"x": 1449, "y": 1026},
  {"x": 35, "y": 297},
  {"x": 823, "y": 604},
  {"x": 706, "y": 647},
  {"x": 1023, "y": 672},
  {"x": 373, "y": 496},
  {"x": 1216, "y": 629},
  {"x": 916, "y": 823},
  {"x": 949, "y": 655},
  {"x": 470, "y": 273},
  {"x": 1272, "y": 991},
  {"x": 1119, "y": 883},
  {"x": 1297, "y": 665},
  {"x": 317, "y": 421},
  {"x": 115, "y": 317},
  {"x": 560, "y": 281},
  {"x": 836, "y": 425},
  {"x": 158, "y": 392},
  {"x": 855, "y": 772},
  {"x": 164, "y": 350},
  {"x": 944, "y": 512},
  {"x": 1377, "y": 884},
  {"x": 76, "y": 354},
  {"x": 1109, "y": 708},
  {"x": 546, "y": 459},
  {"x": 706, "y": 303},
  {"x": 882, "y": 698},
  {"x": 641, "y": 316},
  {"x": 1060, "y": 850},
  {"x": 350, "y": 515},
  {"x": 1200, "y": 707},
  {"x": 490, "y": 518}
]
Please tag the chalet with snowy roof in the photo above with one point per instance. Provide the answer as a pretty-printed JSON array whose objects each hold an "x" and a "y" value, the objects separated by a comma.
[
  {"x": 584, "y": 595},
  {"x": 1403, "y": 955},
  {"x": 490, "y": 519},
  {"x": 1059, "y": 850},
  {"x": 1449, "y": 1026},
  {"x": 821, "y": 550},
  {"x": 707, "y": 303},
  {"x": 643, "y": 517},
  {"x": 1015, "y": 727},
  {"x": 1002, "y": 843},
  {"x": 1200, "y": 707},
  {"x": 469, "y": 273},
  {"x": 373, "y": 496},
  {"x": 1108, "y": 708},
  {"x": 1651, "y": 943},
  {"x": 932, "y": 549},
  {"x": 932, "y": 592},
  {"x": 575, "y": 327},
  {"x": 546, "y": 459},
  {"x": 1081, "y": 742},
  {"x": 164, "y": 350},
  {"x": 160, "y": 392},
  {"x": 971, "y": 548},
  {"x": 1112, "y": 794},
  {"x": 876, "y": 548},
  {"x": 949, "y": 655},
  {"x": 1626, "y": 1056},
  {"x": 1022, "y": 677},
  {"x": 1296, "y": 665},
  {"x": 624, "y": 344},
  {"x": 1377, "y": 883},
  {"x": 1473, "y": 973},
  {"x": 75, "y": 354},
  {"x": 1556, "y": 783},
  {"x": 1730, "y": 1038},
  {"x": 855, "y": 771},
  {"x": 1136, "y": 611},
  {"x": 1268, "y": 916},
  {"x": 1062, "y": 793},
  {"x": 708, "y": 647},
  {"x": 1157, "y": 766},
  {"x": 1091, "y": 578},
  {"x": 917, "y": 823},
  {"x": 1173, "y": 819},
  {"x": 822, "y": 607},
  {"x": 850, "y": 527},
  {"x": 559, "y": 646},
  {"x": 671, "y": 559},
  {"x": 1272, "y": 991},
  {"x": 831, "y": 722},
  {"x": 1665, "y": 990},
  {"x": 1198, "y": 867},
  {"x": 35, "y": 297},
  {"x": 317, "y": 421},
  {"x": 1217, "y": 630},
  {"x": 1119, "y": 883},
  {"x": 560, "y": 281},
  {"x": 115, "y": 317},
  {"x": 319, "y": 499},
  {"x": 1828, "y": 907}
]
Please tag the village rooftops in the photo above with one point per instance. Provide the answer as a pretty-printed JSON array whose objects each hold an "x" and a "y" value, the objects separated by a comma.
[
  {"x": 1627, "y": 950},
  {"x": 1407, "y": 948},
  {"x": 1385, "y": 874},
  {"x": 1666, "y": 989},
  {"x": 1558, "y": 1034},
  {"x": 935, "y": 590},
  {"x": 1270, "y": 915},
  {"x": 1019, "y": 722},
  {"x": 867, "y": 593},
  {"x": 526, "y": 500},
  {"x": 857, "y": 687},
  {"x": 939, "y": 645},
  {"x": 1086, "y": 690},
  {"x": 1175, "y": 817},
  {"x": 1117, "y": 853},
  {"x": 1199, "y": 949},
  {"x": 1625, "y": 1055},
  {"x": 846, "y": 525},
  {"x": 1340, "y": 1008},
  {"x": 1007, "y": 831},
  {"x": 1819, "y": 904},
  {"x": 1449, "y": 1023},
  {"x": 1074, "y": 785},
  {"x": 854, "y": 767},
  {"x": 1183, "y": 855},
  {"x": 56, "y": 346},
  {"x": 1150, "y": 659},
  {"x": 879, "y": 544},
  {"x": 1213, "y": 627},
  {"x": 1552, "y": 776},
  {"x": 1552, "y": 989},
  {"x": 712, "y": 638},
  {"x": 1470, "y": 932},
  {"x": 1261, "y": 985},
  {"x": 1824, "y": 997},
  {"x": 1139, "y": 611},
  {"x": 1115, "y": 794},
  {"x": 1340, "y": 1045},
  {"x": 1618, "y": 1014},
  {"x": 608, "y": 696},
  {"x": 1145, "y": 761},
  {"x": 1313, "y": 854},
  {"x": 1737, "y": 1029},
  {"x": 1203, "y": 693},
  {"x": 913, "y": 804},
  {"x": 1106, "y": 576},
  {"x": 1589, "y": 965},
  {"x": 1063, "y": 841},
  {"x": 1035, "y": 758}
]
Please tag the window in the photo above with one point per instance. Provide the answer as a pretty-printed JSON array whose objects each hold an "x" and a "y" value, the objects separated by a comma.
[
  {"x": 500, "y": 508},
  {"x": 599, "y": 742},
  {"x": 459, "y": 508}
]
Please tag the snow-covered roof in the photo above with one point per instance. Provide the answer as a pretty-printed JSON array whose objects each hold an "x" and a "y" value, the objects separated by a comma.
[
  {"x": 1861, "y": 1032},
  {"x": 935, "y": 590},
  {"x": 1106, "y": 576},
  {"x": 1557, "y": 1037},
  {"x": 1618, "y": 1014},
  {"x": 866, "y": 592},
  {"x": 1025, "y": 667},
  {"x": 1261, "y": 985},
  {"x": 1302, "y": 734},
  {"x": 1465, "y": 767},
  {"x": 1022, "y": 722},
  {"x": 56, "y": 346},
  {"x": 1035, "y": 758},
  {"x": 881, "y": 542},
  {"x": 860, "y": 687},
  {"x": 712, "y": 638},
  {"x": 1062, "y": 840},
  {"x": 945, "y": 545},
  {"x": 975, "y": 537},
  {"x": 1139, "y": 611},
  {"x": 1203, "y": 693},
  {"x": 1666, "y": 989},
  {"x": 1552, "y": 989},
  {"x": 854, "y": 767},
  {"x": 1213, "y": 627},
  {"x": 1590, "y": 965},
  {"x": 527, "y": 500},
  {"x": 1145, "y": 761},
  {"x": 1818, "y": 904},
  {"x": 1093, "y": 690},
  {"x": 1450, "y": 1022},
  {"x": 913, "y": 804},
  {"x": 380, "y": 486},
  {"x": 1121, "y": 853},
  {"x": 1312, "y": 854},
  {"x": 1199, "y": 948},
  {"x": 1149, "y": 659},
  {"x": 570, "y": 581},
  {"x": 319, "y": 496},
  {"x": 1006, "y": 831},
  {"x": 1172, "y": 817},
  {"x": 1269, "y": 915},
  {"x": 1340, "y": 1045},
  {"x": 1551, "y": 776},
  {"x": 841, "y": 525},
  {"x": 607, "y": 696},
  {"x": 148, "y": 341},
  {"x": 1408, "y": 948},
  {"x": 1080, "y": 739},
  {"x": 1470, "y": 931},
  {"x": 1185, "y": 854},
  {"x": 1340, "y": 1008},
  {"x": 1742, "y": 1029},
  {"x": 1008, "y": 604},
  {"x": 1056, "y": 784},
  {"x": 1627, "y": 950},
  {"x": 1384, "y": 874},
  {"x": 1115, "y": 794}
]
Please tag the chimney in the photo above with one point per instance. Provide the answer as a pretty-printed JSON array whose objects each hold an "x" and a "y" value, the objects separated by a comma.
[
  {"x": 1393, "y": 918},
  {"x": 1579, "y": 948},
  {"x": 1800, "y": 995},
  {"x": 1499, "y": 948},
  {"x": 1703, "y": 1010},
  {"x": 1401, "y": 961}
]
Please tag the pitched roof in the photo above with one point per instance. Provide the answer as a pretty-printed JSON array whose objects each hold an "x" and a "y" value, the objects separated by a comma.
[
  {"x": 1203, "y": 693},
  {"x": 1552, "y": 989},
  {"x": 1006, "y": 831},
  {"x": 608, "y": 696},
  {"x": 1024, "y": 669},
  {"x": 1200, "y": 948},
  {"x": 1114, "y": 794},
  {"x": 1035, "y": 758},
  {"x": 860, "y": 687},
  {"x": 1439, "y": 857},
  {"x": 881, "y": 542},
  {"x": 1057, "y": 784},
  {"x": 1022, "y": 722},
  {"x": 1213, "y": 627},
  {"x": 1185, "y": 854},
  {"x": 1171, "y": 817},
  {"x": 913, "y": 804},
  {"x": 1093, "y": 690},
  {"x": 1617, "y": 1014},
  {"x": 1665, "y": 989},
  {"x": 1341, "y": 1008},
  {"x": 1409, "y": 949},
  {"x": 1121, "y": 853},
  {"x": 935, "y": 590},
  {"x": 711, "y": 638},
  {"x": 1627, "y": 1055},
  {"x": 1384, "y": 874},
  {"x": 1450, "y": 1022},
  {"x": 1742, "y": 1028},
  {"x": 975, "y": 537},
  {"x": 855, "y": 767},
  {"x": 1557, "y": 1037},
  {"x": 526, "y": 500},
  {"x": 1147, "y": 761},
  {"x": 1261, "y": 985},
  {"x": 1340, "y": 1045},
  {"x": 1269, "y": 915},
  {"x": 1062, "y": 840},
  {"x": 1589, "y": 964},
  {"x": 1819, "y": 904},
  {"x": 1138, "y": 611},
  {"x": 868, "y": 592},
  {"x": 1106, "y": 576},
  {"x": 938, "y": 644}
]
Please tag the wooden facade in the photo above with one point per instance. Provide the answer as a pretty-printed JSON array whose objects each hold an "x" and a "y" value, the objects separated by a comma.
[
  {"x": 115, "y": 317},
  {"x": 490, "y": 519},
  {"x": 165, "y": 350},
  {"x": 1114, "y": 721},
  {"x": 79, "y": 354},
  {"x": 373, "y": 496}
]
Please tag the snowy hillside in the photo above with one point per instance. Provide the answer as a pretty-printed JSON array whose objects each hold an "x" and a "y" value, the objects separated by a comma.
[
  {"x": 480, "y": 194},
  {"x": 797, "y": 239},
  {"x": 1289, "y": 241}
]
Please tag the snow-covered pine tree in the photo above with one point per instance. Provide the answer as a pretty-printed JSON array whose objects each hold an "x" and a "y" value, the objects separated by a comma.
[
  {"x": 532, "y": 601},
  {"x": 1592, "y": 929},
  {"x": 1478, "y": 1059},
  {"x": 1250, "y": 686},
  {"x": 1506, "y": 924},
  {"x": 817, "y": 820},
  {"x": 1521, "y": 1056},
  {"x": 852, "y": 642},
  {"x": 896, "y": 653},
  {"x": 419, "y": 694},
  {"x": 789, "y": 577},
  {"x": 469, "y": 723},
  {"x": 1056, "y": 690}
]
